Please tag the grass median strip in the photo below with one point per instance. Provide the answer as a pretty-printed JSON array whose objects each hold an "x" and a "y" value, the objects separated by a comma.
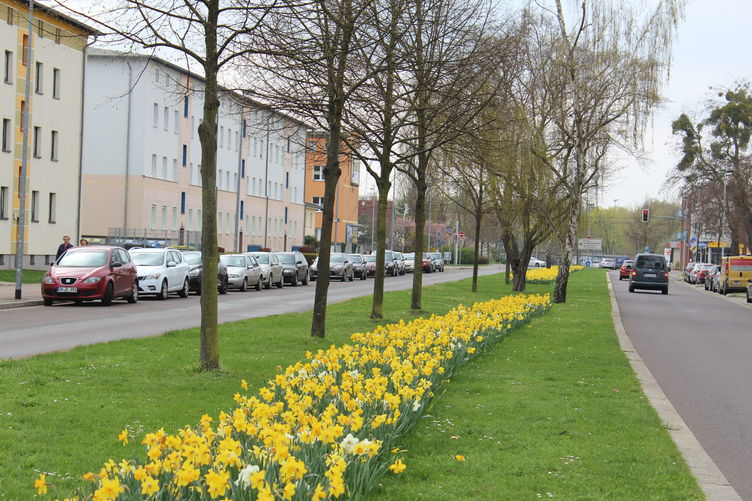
[
  {"x": 553, "y": 412},
  {"x": 62, "y": 412}
]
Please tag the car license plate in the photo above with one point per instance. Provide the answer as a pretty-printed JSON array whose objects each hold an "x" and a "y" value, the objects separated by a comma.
[
  {"x": 649, "y": 275},
  {"x": 67, "y": 289}
]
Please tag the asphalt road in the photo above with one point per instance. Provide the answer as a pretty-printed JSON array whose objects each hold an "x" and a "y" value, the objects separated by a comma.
[
  {"x": 30, "y": 331},
  {"x": 698, "y": 345}
]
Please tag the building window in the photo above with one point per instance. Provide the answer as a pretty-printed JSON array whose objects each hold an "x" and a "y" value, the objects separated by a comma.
[
  {"x": 174, "y": 176},
  {"x": 237, "y": 141},
  {"x": 164, "y": 167},
  {"x": 53, "y": 146},
  {"x": 245, "y": 127},
  {"x": 242, "y": 168},
  {"x": 9, "y": 18},
  {"x": 56, "y": 83},
  {"x": 318, "y": 172},
  {"x": 190, "y": 219},
  {"x": 23, "y": 116},
  {"x": 176, "y": 122},
  {"x": 53, "y": 207},
  {"x": 219, "y": 222},
  {"x": 242, "y": 206},
  {"x": 174, "y": 218},
  {"x": 355, "y": 174},
  {"x": 38, "y": 82},
  {"x": 25, "y": 42},
  {"x": 185, "y": 155},
  {"x": 153, "y": 172},
  {"x": 166, "y": 124},
  {"x": 153, "y": 217},
  {"x": 227, "y": 227},
  {"x": 312, "y": 145},
  {"x": 155, "y": 117},
  {"x": 58, "y": 35},
  {"x": 156, "y": 75},
  {"x": 7, "y": 129},
  {"x": 3, "y": 202},
  {"x": 8, "y": 67},
  {"x": 37, "y": 142},
  {"x": 221, "y": 136},
  {"x": 287, "y": 180},
  {"x": 285, "y": 215},
  {"x": 164, "y": 217},
  {"x": 193, "y": 126},
  {"x": 185, "y": 106},
  {"x": 182, "y": 202},
  {"x": 34, "y": 206},
  {"x": 289, "y": 140},
  {"x": 318, "y": 201}
]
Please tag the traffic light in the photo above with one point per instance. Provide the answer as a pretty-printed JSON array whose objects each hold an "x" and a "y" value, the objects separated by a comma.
[{"x": 645, "y": 215}]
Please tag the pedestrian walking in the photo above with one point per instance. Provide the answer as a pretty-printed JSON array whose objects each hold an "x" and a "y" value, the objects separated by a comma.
[{"x": 63, "y": 247}]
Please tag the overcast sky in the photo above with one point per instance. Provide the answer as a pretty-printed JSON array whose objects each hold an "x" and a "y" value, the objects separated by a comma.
[{"x": 712, "y": 49}]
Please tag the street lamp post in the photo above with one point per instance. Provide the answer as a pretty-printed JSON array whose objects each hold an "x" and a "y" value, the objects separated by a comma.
[{"x": 725, "y": 215}]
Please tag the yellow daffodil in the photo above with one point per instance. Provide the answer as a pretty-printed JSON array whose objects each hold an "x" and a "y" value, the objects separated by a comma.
[
  {"x": 398, "y": 467},
  {"x": 40, "y": 484}
]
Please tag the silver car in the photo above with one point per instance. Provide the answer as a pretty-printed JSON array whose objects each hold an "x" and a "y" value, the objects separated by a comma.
[
  {"x": 243, "y": 271},
  {"x": 271, "y": 269}
]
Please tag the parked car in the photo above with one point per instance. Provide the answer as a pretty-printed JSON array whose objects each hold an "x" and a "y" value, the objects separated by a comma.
[
  {"x": 694, "y": 272},
  {"x": 271, "y": 269},
  {"x": 91, "y": 273},
  {"x": 294, "y": 267},
  {"x": 370, "y": 265},
  {"x": 711, "y": 277},
  {"x": 427, "y": 264},
  {"x": 749, "y": 290},
  {"x": 161, "y": 271},
  {"x": 438, "y": 260},
  {"x": 340, "y": 266},
  {"x": 193, "y": 258},
  {"x": 359, "y": 265},
  {"x": 390, "y": 267},
  {"x": 649, "y": 272},
  {"x": 687, "y": 270},
  {"x": 702, "y": 273},
  {"x": 536, "y": 263},
  {"x": 409, "y": 262},
  {"x": 626, "y": 269},
  {"x": 243, "y": 271},
  {"x": 399, "y": 263}
]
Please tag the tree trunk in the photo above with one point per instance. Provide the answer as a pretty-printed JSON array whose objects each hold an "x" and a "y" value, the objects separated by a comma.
[
  {"x": 476, "y": 250},
  {"x": 207, "y": 132},
  {"x": 519, "y": 267},
  {"x": 331, "y": 178},
  {"x": 377, "y": 310},
  {"x": 420, "y": 222},
  {"x": 562, "y": 278}
]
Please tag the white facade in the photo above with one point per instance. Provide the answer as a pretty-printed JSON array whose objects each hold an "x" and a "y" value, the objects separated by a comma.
[
  {"x": 142, "y": 160},
  {"x": 54, "y": 140}
]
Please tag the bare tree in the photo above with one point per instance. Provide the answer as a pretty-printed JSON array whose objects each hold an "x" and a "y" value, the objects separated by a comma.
[
  {"x": 308, "y": 67},
  {"x": 603, "y": 74},
  {"x": 211, "y": 35}
]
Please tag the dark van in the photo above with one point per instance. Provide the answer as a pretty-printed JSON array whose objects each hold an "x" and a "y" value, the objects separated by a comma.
[{"x": 649, "y": 272}]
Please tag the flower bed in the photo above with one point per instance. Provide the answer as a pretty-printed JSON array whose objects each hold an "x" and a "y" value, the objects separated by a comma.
[
  {"x": 546, "y": 275},
  {"x": 324, "y": 428}
]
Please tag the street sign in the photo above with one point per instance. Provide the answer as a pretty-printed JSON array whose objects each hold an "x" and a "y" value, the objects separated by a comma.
[{"x": 590, "y": 244}]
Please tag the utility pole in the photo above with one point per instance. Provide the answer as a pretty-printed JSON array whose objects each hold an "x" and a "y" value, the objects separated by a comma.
[{"x": 21, "y": 228}]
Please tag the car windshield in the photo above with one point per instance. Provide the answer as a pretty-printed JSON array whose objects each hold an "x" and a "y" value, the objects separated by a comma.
[
  {"x": 410, "y": 256},
  {"x": 262, "y": 258},
  {"x": 147, "y": 258},
  {"x": 650, "y": 262},
  {"x": 286, "y": 258},
  {"x": 83, "y": 259},
  {"x": 237, "y": 261},
  {"x": 193, "y": 258},
  {"x": 356, "y": 258},
  {"x": 388, "y": 256},
  {"x": 336, "y": 258},
  {"x": 370, "y": 259}
]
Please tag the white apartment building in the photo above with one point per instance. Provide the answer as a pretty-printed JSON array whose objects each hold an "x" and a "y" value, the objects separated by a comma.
[
  {"x": 141, "y": 179},
  {"x": 58, "y": 46}
]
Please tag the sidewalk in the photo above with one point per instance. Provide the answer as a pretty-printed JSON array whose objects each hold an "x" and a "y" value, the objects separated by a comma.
[{"x": 30, "y": 295}]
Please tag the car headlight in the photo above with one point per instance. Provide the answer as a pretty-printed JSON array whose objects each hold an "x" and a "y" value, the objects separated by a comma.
[
  {"x": 233, "y": 275},
  {"x": 92, "y": 280},
  {"x": 153, "y": 276},
  {"x": 339, "y": 267},
  {"x": 194, "y": 273},
  {"x": 49, "y": 280}
]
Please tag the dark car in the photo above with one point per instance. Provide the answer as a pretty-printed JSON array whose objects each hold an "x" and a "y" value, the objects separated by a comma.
[
  {"x": 91, "y": 273},
  {"x": 194, "y": 276},
  {"x": 370, "y": 265},
  {"x": 359, "y": 265},
  {"x": 749, "y": 290},
  {"x": 438, "y": 260},
  {"x": 649, "y": 272},
  {"x": 390, "y": 266},
  {"x": 294, "y": 267}
]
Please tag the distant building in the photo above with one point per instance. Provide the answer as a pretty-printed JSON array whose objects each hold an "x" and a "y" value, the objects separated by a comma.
[
  {"x": 368, "y": 213},
  {"x": 345, "y": 228},
  {"x": 142, "y": 160},
  {"x": 58, "y": 47}
]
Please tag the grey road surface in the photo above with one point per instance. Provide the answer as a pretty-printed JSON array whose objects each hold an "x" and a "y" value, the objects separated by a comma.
[
  {"x": 30, "y": 331},
  {"x": 698, "y": 345}
]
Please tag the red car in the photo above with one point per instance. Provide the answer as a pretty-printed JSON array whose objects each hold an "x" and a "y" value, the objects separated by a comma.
[
  {"x": 626, "y": 269},
  {"x": 91, "y": 273}
]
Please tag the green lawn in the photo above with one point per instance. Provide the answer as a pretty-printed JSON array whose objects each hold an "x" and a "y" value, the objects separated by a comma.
[
  {"x": 560, "y": 388},
  {"x": 28, "y": 276}
]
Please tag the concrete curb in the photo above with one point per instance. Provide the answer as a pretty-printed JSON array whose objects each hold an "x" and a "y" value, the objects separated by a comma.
[
  {"x": 710, "y": 479},
  {"x": 740, "y": 301},
  {"x": 20, "y": 303}
]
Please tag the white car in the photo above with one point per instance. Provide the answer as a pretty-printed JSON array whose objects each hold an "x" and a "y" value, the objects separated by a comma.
[
  {"x": 536, "y": 263},
  {"x": 161, "y": 271},
  {"x": 608, "y": 263}
]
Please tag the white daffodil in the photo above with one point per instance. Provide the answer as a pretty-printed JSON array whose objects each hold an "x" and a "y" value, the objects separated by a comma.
[
  {"x": 244, "y": 477},
  {"x": 349, "y": 443}
]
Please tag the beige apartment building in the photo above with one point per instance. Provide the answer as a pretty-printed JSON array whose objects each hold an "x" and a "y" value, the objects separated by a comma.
[{"x": 55, "y": 104}]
